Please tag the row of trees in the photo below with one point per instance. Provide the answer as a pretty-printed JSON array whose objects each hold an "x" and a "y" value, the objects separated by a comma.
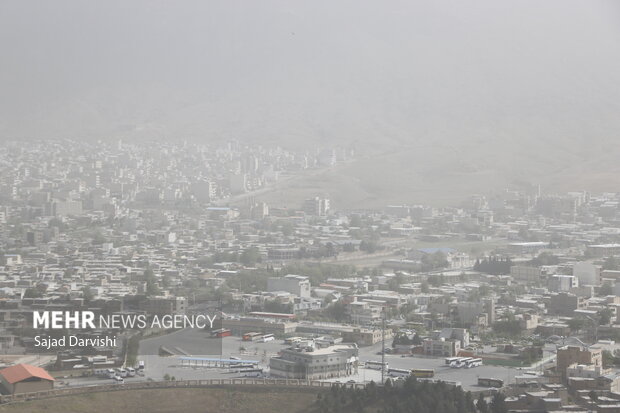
[
  {"x": 413, "y": 396},
  {"x": 493, "y": 265},
  {"x": 434, "y": 261},
  {"x": 404, "y": 340}
]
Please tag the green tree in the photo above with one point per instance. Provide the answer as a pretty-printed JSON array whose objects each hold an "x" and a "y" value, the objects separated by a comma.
[
  {"x": 87, "y": 294},
  {"x": 498, "y": 403},
  {"x": 576, "y": 324},
  {"x": 605, "y": 316},
  {"x": 606, "y": 289},
  {"x": 250, "y": 257},
  {"x": 98, "y": 237},
  {"x": 482, "y": 405},
  {"x": 593, "y": 396},
  {"x": 337, "y": 311},
  {"x": 355, "y": 221},
  {"x": 151, "y": 283},
  {"x": 287, "y": 228}
]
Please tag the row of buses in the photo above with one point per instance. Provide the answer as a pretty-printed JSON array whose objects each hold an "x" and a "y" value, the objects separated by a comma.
[
  {"x": 417, "y": 373},
  {"x": 463, "y": 362}
]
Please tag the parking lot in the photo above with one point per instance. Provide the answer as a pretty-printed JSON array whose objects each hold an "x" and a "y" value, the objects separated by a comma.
[
  {"x": 193, "y": 344},
  {"x": 200, "y": 344}
]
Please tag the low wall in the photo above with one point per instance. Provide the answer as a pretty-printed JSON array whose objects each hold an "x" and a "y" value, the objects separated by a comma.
[{"x": 174, "y": 384}]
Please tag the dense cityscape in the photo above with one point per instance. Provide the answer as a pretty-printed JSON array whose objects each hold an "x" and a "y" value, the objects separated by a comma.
[{"x": 512, "y": 294}]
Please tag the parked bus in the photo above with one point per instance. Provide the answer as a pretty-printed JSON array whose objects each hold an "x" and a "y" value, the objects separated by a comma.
[
  {"x": 221, "y": 332},
  {"x": 267, "y": 337},
  {"x": 251, "y": 373},
  {"x": 451, "y": 360},
  {"x": 473, "y": 363},
  {"x": 423, "y": 373},
  {"x": 376, "y": 365},
  {"x": 100, "y": 372},
  {"x": 461, "y": 362},
  {"x": 399, "y": 372},
  {"x": 251, "y": 336},
  {"x": 489, "y": 382},
  {"x": 141, "y": 365},
  {"x": 111, "y": 373},
  {"x": 131, "y": 372},
  {"x": 243, "y": 366},
  {"x": 292, "y": 340},
  {"x": 448, "y": 382}
]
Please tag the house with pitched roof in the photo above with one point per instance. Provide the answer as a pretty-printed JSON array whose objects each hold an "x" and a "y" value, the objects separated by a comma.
[{"x": 24, "y": 378}]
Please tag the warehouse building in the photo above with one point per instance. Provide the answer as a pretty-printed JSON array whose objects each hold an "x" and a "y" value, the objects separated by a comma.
[{"x": 24, "y": 378}]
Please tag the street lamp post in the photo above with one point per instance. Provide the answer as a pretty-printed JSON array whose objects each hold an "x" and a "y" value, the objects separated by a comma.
[{"x": 383, "y": 346}]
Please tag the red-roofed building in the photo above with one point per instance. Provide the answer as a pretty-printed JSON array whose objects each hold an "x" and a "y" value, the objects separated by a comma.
[{"x": 24, "y": 378}]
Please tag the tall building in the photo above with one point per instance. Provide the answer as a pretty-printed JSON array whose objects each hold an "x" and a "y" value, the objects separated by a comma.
[
  {"x": 165, "y": 305},
  {"x": 204, "y": 191},
  {"x": 65, "y": 207},
  {"x": 316, "y": 206},
  {"x": 238, "y": 183},
  {"x": 573, "y": 354},
  {"x": 587, "y": 273},
  {"x": 526, "y": 274},
  {"x": 441, "y": 347},
  {"x": 294, "y": 284},
  {"x": 558, "y": 283},
  {"x": 565, "y": 304}
]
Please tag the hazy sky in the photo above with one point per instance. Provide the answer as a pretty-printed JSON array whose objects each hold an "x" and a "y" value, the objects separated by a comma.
[{"x": 320, "y": 70}]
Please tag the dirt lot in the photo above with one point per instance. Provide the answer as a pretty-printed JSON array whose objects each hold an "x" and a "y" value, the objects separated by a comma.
[{"x": 213, "y": 400}]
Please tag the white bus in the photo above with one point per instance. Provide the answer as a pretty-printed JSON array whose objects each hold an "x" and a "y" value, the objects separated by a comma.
[
  {"x": 111, "y": 373},
  {"x": 100, "y": 372},
  {"x": 251, "y": 373},
  {"x": 292, "y": 340},
  {"x": 376, "y": 365},
  {"x": 473, "y": 363},
  {"x": 399, "y": 372},
  {"x": 451, "y": 360},
  {"x": 267, "y": 337},
  {"x": 461, "y": 362},
  {"x": 141, "y": 365},
  {"x": 121, "y": 372},
  {"x": 131, "y": 372}
]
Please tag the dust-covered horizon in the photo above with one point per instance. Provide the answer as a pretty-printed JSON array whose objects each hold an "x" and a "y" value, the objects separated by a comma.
[{"x": 440, "y": 96}]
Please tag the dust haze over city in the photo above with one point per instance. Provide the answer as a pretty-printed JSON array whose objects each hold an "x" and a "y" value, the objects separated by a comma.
[
  {"x": 310, "y": 206},
  {"x": 438, "y": 98}
]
